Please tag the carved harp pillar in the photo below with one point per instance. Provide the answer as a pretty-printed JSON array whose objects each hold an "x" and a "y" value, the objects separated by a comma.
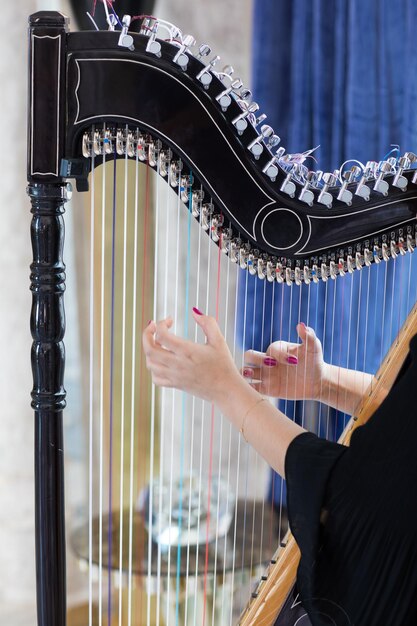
[{"x": 238, "y": 210}]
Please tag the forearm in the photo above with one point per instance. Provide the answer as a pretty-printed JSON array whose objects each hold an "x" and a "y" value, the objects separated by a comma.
[
  {"x": 342, "y": 388},
  {"x": 265, "y": 428}
]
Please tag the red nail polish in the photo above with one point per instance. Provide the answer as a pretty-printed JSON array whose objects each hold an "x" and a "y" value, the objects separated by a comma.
[
  {"x": 197, "y": 311},
  {"x": 292, "y": 360},
  {"x": 270, "y": 361},
  {"x": 248, "y": 373}
]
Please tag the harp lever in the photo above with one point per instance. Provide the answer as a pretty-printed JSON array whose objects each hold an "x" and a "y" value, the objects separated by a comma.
[{"x": 126, "y": 40}]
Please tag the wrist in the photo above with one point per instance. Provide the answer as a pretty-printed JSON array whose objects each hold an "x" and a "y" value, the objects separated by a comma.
[{"x": 325, "y": 383}]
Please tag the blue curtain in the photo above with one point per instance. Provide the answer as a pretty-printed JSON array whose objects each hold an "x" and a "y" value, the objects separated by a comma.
[{"x": 341, "y": 74}]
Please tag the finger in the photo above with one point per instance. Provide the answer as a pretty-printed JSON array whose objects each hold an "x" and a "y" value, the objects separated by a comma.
[
  {"x": 209, "y": 326},
  {"x": 168, "y": 340},
  {"x": 153, "y": 349},
  {"x": 307, "y": 335},
  {"x": 281, "y": 353},
  {"x": 253, "y": 358},
  {"x": 251, "y": 375}
]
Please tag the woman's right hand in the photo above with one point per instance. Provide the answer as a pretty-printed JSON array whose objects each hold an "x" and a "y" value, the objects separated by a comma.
[{"x": 288, "y": 370}]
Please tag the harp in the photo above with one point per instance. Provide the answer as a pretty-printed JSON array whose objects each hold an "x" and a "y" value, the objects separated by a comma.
[{"x": 253, "y": 224}]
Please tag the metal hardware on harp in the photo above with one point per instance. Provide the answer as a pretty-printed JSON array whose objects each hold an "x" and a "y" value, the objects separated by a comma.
[{"x": 192, "y": 199}]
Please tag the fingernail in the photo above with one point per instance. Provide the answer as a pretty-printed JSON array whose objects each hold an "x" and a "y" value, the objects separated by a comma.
[
  {"x": 197, "y": 311},
  {"x": 248, "y": 372},
  {"x": 270, "y": 361},
  {"x": 303, "y": 325},
  {"x": 148, "y": 323},
  {"x": 292, "y": 360}
]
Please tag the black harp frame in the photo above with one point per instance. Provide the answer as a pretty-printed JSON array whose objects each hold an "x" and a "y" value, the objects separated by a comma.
[{"x": 80, "y": 79}]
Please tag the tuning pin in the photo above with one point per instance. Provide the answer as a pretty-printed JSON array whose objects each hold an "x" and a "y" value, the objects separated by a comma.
[
  {"x": 240, "y": 121},
  {"x": 256, "y": 146},
  {"x": 349, "y": 264},
  {"x": 297, "y": 276},
  {"x": 205, "y": 76},
  {"x": 315, "y": 273},
  {"x": 393, "y": 249},
  {"x": 345, "y": 195},
  {"x": 288, "y": 186},
  {"x": 324, "y": 196},
  {"x": 384, "y": 250},
  {"x": 181, "y": 58},
  {"x": 332, "y": 270},
  {"x": 306, "y": 195},
  {"x": 203, "y": 51},
  {"x": 362, "y": 188},
  {"x": 404, "y": 163},
  {"x": 381, "y": 185},
  {"x": 126, "y": 40},
  {"x": 271, "y": 168},
  {"x": 288, "y": 276},
  {"x": 306, "y": 275},
  {"x": 358, "y": 260},
  {"x": 224, "y": 98},
  {"x": 375, "y": 254}
]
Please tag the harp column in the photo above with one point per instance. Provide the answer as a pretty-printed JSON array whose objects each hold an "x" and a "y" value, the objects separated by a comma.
[{"x": 48, "y": 194}]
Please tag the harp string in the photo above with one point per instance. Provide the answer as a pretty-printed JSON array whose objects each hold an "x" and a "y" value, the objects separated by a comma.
[
  {"x": 91, "y": 394},
  {"x": 264, "y": 495},
  {"x": 183, "y": 403},
  {"x": 153, "y": 401},
  {"x": 123, "y": 372},
  {"x": 174, "y": 395},
  {"x": 101, "y": 389},
  {"x": 133, "y": 389},
  {"x": 111, "y": 393},
  {"x": 212, "y": 415},
  {"x": 192, "y": 442}
]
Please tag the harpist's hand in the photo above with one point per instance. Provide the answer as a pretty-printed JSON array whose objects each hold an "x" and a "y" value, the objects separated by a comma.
[
  {"x": 204, "y": 370},
  {"x": 288, "y": 370}
]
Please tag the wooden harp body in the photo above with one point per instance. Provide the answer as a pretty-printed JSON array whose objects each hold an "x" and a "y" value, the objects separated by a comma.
[{"x": 114, "y": 97}]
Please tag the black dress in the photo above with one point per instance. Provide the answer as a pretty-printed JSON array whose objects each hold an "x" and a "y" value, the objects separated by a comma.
[{"x": 358, "y": 567}]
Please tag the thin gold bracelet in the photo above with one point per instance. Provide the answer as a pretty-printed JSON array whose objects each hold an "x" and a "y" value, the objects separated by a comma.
[{"x": 242, "y": 428}]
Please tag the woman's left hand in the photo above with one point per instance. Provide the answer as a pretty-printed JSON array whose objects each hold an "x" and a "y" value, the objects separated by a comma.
[{"x": 204, "y": 370}]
